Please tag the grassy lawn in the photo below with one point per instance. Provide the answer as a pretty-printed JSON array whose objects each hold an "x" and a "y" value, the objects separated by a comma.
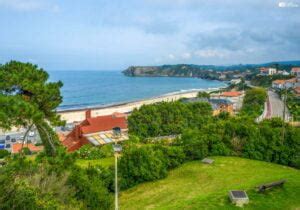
[
  {"x": 198, "y": 186},
  {"x": 105, "y": 162}
]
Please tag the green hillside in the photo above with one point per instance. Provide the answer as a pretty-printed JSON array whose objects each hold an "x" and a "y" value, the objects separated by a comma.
[{"x": 198, "y": 186}]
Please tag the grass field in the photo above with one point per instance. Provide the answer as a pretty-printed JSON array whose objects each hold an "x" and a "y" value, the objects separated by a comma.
[
  {"x": 198, "y": 186},
  {"x": 105, "y": 162}
]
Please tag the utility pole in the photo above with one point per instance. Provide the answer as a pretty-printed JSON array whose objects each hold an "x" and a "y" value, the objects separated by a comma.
[{"x": 283, "y": 117}]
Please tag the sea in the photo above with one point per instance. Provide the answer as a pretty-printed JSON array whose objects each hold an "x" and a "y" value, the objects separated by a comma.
[{"x": 87, "y": 89}]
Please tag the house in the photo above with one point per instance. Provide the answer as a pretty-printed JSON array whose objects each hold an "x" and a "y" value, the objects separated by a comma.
[
  {"x": 235, "y": 81},
  {"x": 278, "y": 84},
  {"x": 266, "y": 71},
  {"x": 97, "y": 131},
  {"x": 221, "y": 105},
  {"x": 297, "y": 91},
  {"x": 296, "y": 71},
  {"x": 289, "y": 83},
  {"x": 284, "y": 73},
  {"x": 18, "y": 146}
]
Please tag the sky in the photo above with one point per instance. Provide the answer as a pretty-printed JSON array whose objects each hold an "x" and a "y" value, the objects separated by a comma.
[{"x": 115, "y": 34}]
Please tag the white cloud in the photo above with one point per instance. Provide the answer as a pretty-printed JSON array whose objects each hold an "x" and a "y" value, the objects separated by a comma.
[
  {"x": 186, "y": 55},
  {"x": 171, "y": 56},
  {"x": 210, "y": 53},
  {"x": 28, "y": 5},
  {"x": 287, "y": 4}
]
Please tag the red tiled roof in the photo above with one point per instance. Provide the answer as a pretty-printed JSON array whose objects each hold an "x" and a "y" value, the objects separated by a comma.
[
  {"x": 231, "y": 94},
  {"x": 103, "y": 123},
  {"x": 18, "y": 146},
  {"x": 297, "y": 90},
  {"x": 279, "y": 81},
  {"x": 295, "y": 69}
]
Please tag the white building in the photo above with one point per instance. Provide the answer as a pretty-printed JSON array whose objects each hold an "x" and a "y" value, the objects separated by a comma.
[
  {"x": 296, "y": 71},
  {"x": 267, "y": 71}
]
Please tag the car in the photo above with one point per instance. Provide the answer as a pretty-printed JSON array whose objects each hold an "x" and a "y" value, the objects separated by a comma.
[
  {"x": 2, "y": 141},
  {"x": 7, "y": 146},
  {"x": 13, "y": 140},
  {"x": 2, "y": 146},
  {"x": 7, "y": 138},
  {"x": 31, "y": 134},
  {"x": 21, "y": 137}
]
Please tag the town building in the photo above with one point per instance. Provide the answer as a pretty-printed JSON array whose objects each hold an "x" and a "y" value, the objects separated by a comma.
[
  {"x": 288, "y": 83},
  {"x": 296, "y": 71},
  {"x": 283, "y": 72},
  {"x": 266, "y": 71},
  {"x": 235, "y": 81},
  {"x": 297, "y": 91},
  {"x": 96, "y": 131}
]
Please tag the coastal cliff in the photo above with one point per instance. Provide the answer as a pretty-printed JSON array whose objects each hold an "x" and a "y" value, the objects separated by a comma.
[{"x": 181, "y": 70}]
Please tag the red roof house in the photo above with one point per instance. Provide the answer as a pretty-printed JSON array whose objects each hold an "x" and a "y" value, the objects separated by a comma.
[{"x": 95, "y": 130}]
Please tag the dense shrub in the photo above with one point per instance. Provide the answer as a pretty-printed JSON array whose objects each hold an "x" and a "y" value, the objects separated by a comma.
[
  {"x": 140, "y": 164},
  {"x": 253, "y": 103},
  {"x": 90, "y": 189},
  {"x": 3, "y": 153},
  {"x": 164, "y": 118},
  {"x": 90, "y": 152}
]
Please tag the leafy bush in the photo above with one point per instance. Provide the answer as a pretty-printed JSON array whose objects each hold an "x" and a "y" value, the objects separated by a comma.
[
  {"x": 164, "y": 118},
  {"x": 90, "y": 190},
  {"x": 253, "y": 104},
  {"x": 3, "y": 153},
  {"x": 140, "y": 164},
  {"x": 90, "y": 152}
]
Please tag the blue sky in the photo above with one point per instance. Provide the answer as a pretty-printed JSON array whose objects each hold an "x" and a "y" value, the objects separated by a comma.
[{"x": 114, "y": 34}]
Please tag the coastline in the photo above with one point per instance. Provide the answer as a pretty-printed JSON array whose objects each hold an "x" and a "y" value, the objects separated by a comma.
[{"x": 78, "y": 115}]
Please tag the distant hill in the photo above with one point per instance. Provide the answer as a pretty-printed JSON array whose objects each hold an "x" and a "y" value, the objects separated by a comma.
[{"x": 201, "y": 71}]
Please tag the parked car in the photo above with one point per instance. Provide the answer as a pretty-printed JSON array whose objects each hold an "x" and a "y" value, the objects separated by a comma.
[
  {"x": 2, "y": 141},
  {"x": 13, "y": 140},
  {"x": 2, "y": 146},
  {"x": 7, "y": 138},
  {"x": 31, "y": 134},
  {"x": 7, "y": 146}
]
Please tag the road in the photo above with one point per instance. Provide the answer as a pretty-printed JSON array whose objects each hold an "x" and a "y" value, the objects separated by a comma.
[{"x": 276, "y": 106}]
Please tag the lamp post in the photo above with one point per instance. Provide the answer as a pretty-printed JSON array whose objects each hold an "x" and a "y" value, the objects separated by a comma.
[{"x": 117, "y": 150}]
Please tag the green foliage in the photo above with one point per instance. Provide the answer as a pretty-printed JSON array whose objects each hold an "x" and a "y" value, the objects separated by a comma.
[
  {"x": 90, "y": 189},
  {"x": 203, "y": 94},
  {"x": 89, "y": 152},
  {"x": 141, "y": 164},
  {"x": 27, "y": 98},
  {"x": 266, "y": 81},
  {"x": 164, "y": 118},
  {"x": 253, "y": 103},
  {"x": 4, "y": 153}
]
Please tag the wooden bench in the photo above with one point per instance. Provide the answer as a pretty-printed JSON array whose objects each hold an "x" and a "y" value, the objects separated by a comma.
[{"x": 263, "y": 187}]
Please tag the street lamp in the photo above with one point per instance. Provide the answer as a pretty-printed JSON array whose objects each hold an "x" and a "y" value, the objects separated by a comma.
[{"x": 117, "y": 150}]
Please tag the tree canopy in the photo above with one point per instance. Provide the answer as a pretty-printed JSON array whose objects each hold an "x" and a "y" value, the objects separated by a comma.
[{"x": 27, "y": 98}]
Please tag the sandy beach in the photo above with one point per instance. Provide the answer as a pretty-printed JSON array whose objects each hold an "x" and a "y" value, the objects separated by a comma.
[{"x": 71, "y": 116}]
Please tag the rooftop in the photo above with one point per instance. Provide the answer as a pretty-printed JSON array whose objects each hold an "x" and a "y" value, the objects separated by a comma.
[
  {"x": 231, "y": 94},
  {"x": 18, "y": 146}
]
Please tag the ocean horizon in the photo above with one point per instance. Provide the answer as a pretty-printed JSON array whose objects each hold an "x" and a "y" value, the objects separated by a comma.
[{"x": 88, "y": 89}]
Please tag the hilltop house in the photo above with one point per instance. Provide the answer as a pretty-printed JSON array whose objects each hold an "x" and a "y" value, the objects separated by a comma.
[
  {"x": 97, "y": 131},
  {"x": 296, "y": 71},
  {"x": 266, "y": 71}
]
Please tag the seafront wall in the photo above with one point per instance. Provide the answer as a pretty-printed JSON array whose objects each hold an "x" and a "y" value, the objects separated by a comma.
[{"x": 71, "y": 116}]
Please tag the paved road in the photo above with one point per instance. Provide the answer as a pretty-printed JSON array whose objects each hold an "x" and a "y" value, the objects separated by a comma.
[{"x": 276, "y": 106}]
